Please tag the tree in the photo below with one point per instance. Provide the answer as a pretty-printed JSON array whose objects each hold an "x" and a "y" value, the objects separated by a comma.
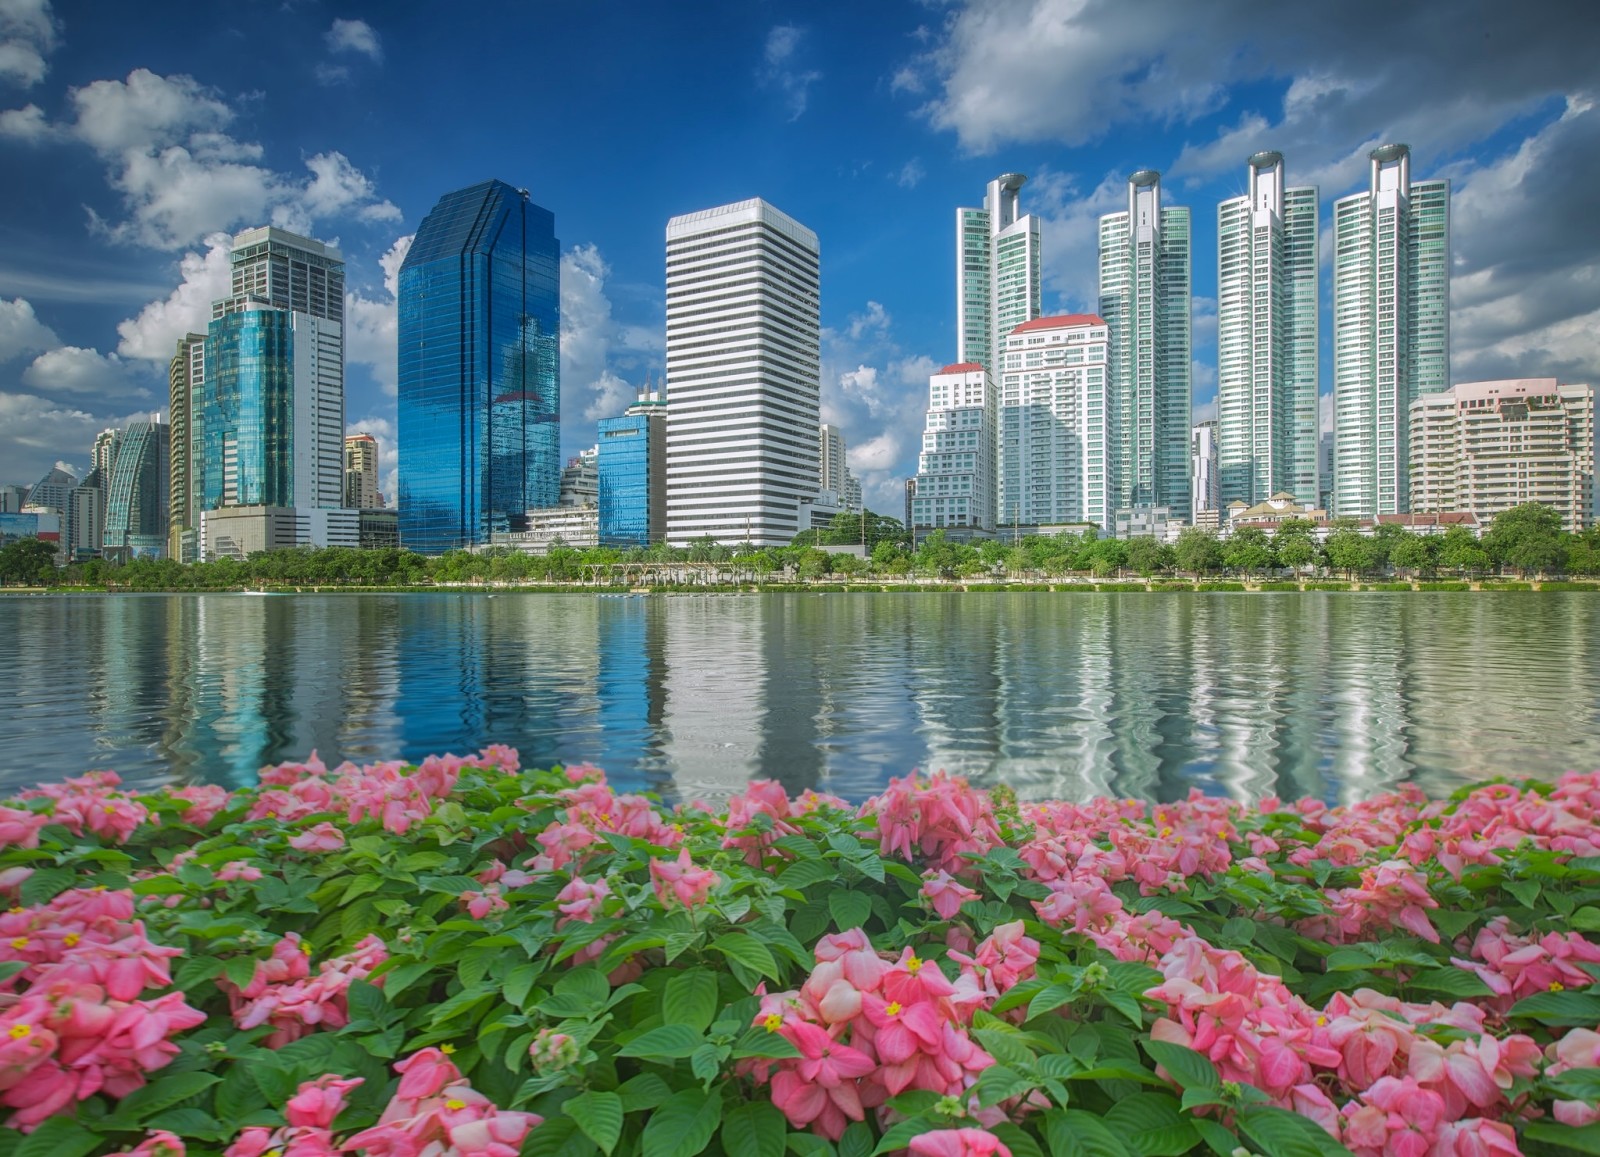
[
  {"x": 1295, "y": 551},
  {"x": 1527, "y": 538},
  {"x": 1415, "y": 553},
  {"x": 1147, "y": 556},
  {"x": 30, "y": 561},
  {"x": 1106, "y": 555},
  {"x": 1248, "y": 551},
  {"x": 1197, "y": 551},
  {"x": 1349, "y": 551}
]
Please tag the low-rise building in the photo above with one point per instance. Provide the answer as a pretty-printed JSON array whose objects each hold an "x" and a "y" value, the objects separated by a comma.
[
  {"x": 1279, "y": 508},
  {"x": 551, "y": 526},
  {"x": 1154, "y": 522},
  {"x": 955, "y": 483},
  {"x": 1484, "y": 447},
  {"x": 239, "y": 531}
]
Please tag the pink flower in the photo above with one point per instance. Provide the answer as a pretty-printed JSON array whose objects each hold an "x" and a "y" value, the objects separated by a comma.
[
  {"x": 481, "y": 905},
  {"x": 20, "y": 829},
  {"x": 316, "y": 1103},
  {"x": 238, "y": 870},
  {"x": 159, "y": 1143},
  {"x": 1476, "y": 1137},
  {"x": 204, "y": 800},
  {"x": 580, "y": 900},
  {"x": 958, "y": 1143},
  {"x": 323, "y": 837},
  {"x": 945, "y": 893},
  {"x": 680, "y": 880}
]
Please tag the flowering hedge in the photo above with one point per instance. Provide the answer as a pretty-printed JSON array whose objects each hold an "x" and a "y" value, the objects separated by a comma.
[{"x": 464, "y": 958}]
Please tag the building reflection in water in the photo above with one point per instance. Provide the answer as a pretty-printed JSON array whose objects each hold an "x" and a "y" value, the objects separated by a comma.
[{"x": 1067, "y": 696}]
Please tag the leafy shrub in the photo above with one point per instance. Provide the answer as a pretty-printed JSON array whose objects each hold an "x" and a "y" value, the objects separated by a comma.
[
  {"x": 1444, "y": 586},
  {"x": 461, "y": 959},
  {"x": 1279, "y": 586}
]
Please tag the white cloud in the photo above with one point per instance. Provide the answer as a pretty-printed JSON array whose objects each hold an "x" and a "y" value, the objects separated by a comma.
[
  {"x": 27, "y": 37},
  {"x": 154, "y": 333},
  {"x": 595, "y": 346},
  {"x": 354, "y": 36},
  {"x": 778, "y": 69},
  {"x": 21, "y": 331},
  {"x": 371, "y": 325},
  {"x": 1069, "y": 234},
  {"x": 85, "y": 373},
  {"x": 911, "y": 174},
  {"x": 1204, "y": 412},
  {"x": 34, "y": 431},
  {"x": 165, "y": 142}
]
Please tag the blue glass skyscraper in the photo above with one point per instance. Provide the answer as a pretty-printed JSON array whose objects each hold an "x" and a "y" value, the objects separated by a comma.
[
  {"x": 632, "y": 472},
  {"x": 480, "y": 368}
]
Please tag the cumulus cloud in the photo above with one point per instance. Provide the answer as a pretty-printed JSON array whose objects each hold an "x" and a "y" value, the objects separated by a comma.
[
  {"x": 779, "y": 69},
  {"x": 1073, "y": 71},
  {"x": 1069, "y": 233},
  {"x": 372, "y": 326},
  {"x": 27, "y": 37},
  {"x": 165, "y": 142},
  {"x": 910, "y": 174},
  {"x": 154, "y": 332},
  {"x": 34, "y": 432},
  {"x": 21, "y": 331},
  {"x": 596, "y": 349},
  {"x": 73, "y": 371},
  {"x": 354, "y": 36}
]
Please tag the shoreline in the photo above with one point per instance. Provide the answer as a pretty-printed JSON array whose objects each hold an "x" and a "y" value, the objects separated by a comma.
[{"x": 931, "y": 586}]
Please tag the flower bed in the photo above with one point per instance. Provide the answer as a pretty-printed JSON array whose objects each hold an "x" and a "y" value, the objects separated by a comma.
[{"x": 463, "y": 958}]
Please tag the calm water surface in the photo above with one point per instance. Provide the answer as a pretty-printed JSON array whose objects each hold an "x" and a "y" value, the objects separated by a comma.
[{"x": 1331, "y": 695}]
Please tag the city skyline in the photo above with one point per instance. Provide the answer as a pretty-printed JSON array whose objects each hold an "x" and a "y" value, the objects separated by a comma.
[{"x": 841, "y": 136}]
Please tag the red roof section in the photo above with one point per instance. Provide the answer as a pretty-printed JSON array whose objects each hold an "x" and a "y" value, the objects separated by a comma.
[
  {"x": 1059, "y": 322},
  {"x": 962, "y": 368}
]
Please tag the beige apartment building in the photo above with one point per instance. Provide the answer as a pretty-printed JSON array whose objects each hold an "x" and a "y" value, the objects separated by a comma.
[{"x": 1484, "y": 447}]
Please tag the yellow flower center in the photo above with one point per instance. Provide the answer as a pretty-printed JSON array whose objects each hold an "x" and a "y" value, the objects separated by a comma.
[
  {"x": 448, "y": 1049},
  {"x": 772, "y": 1021},
  {"x": 892, "y": 1008},
  {"x": 305, "y": 946},
  {"x": 1557, "y": 986},
  {"x": 110, "y": 810},
  {"x": 452, "y": 1103},
  {"x": 1321, "y": 1020},
  {"x": 71, "y": 939},
  {"x": 1165, "y": 832},
  {"x": 20, "y": 942},
  {"x": 21, "y": 1031},
  {"x": 913, "y": 966}
]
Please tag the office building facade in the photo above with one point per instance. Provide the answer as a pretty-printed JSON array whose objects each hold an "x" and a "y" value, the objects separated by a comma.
[
  {"x": 997, "y": 273},
  {"x": 1145, "y": 266},
  {"x": 136, "y": 499},
  {"x": 1058, "y": 424},
  {"x": 955, "y": 482},
  {"x": 361, "y": 472},
  {"x": 186, "y": 376},
  {"x": 480, "y": 368},
  {"x": 632, "y": 467},
  {"x": 1267, "y": 378},
  {"x": 1391, "y": 327},
  {"x": 1481, "y": 448},
  {"x": 1205, "y": 481},
  {"x": 743, "y": 364}
]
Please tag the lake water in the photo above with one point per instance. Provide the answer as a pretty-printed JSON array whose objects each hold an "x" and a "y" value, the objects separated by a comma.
[{"x": 1059, "y": 695}]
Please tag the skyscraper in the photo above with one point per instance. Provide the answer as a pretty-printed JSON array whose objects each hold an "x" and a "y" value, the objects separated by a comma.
[
  {"x": 480, "y": 368},
  {"x": 743, "y": 349},
  {"x": 1058, "y": 423},
  {"x": 1391, "y": 327},
  {"x": 271, "y": 416},
  {"x": 633, "y": 480},
  {"x": 1144, "y": 299},
  {"x": 1205, "y": 482},
  {"x": 1267, "y": 338},
  {"x": 955, "y": 483},
  {"x": 997, "y": 273},
  {"x": 185, "y": 382},
  {"x": 833, "y": 468},
  {"x": 361, "y": 472},
  {"x": 136, "y": 506}
]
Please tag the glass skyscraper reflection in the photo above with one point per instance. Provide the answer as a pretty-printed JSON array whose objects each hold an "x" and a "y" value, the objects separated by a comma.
[{"x": 480, "y": 376}]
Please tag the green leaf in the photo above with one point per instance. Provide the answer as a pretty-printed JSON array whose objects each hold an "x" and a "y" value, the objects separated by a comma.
[
  {"x": 1285, "y": 1134},
  {"x": 690, "y": 999},
  {"x": 754, "y": 1129},
  {"x": 1577, "y": 1085},
  {"x": 44, "y": 885},
  {"x": 749, "y": 951},
  {"x": 706, "y": 1062},
  {"x": 857, "y": 1140},
  {"x": 1559, "y": 1008},
  {"x": 1015, "y": 1139},
  {"x": 849, "y": 909},
  {"x": 58, "y": 1137},
  {"x": 1452, "y": 982},
  {"x": 1075, "y": 1133},
  {"x": 558, "y": 1137},
  {"x": 677, "y": 943},
  {"x": 1586, "y": 919},
  {"x": 1185, "y": 1066},
  {"x": 1581, "y": 1140},
  {"x": 1152, "y": 1125},
  {"x": 802, "y": 874},
  {"x": 683, "y": 1125},
  {"x": 599, "y": 1115},
  {"x": 999, "y": 1083},
  {"x": 668, "y": 1042},
  {"x": 645, "y": 1091},
  {"x": 1527, "y": 891},
  {"x": 758, "y": 1042},
  {"x": 158, "y": 886},
  {"x": 160, "y": 1094},
  {"x": 586, "y": 984},
  {"x": 1052, "y": 997}
]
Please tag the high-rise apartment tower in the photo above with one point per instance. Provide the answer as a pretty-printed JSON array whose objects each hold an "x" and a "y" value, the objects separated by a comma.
[
  {"x": 1391, "y": 327},
  {"x": 186, "y": 377},
  {"x": 743, "y": 349},
  {"x": 480, "y": 368},
  {"x": 955, "y": 482},
  {"x": 361, "y": 472},
  {"x": 997, "y": 273},
  {"x": 1144, "y": 299},
  {"x": 1267, "y": 338}
]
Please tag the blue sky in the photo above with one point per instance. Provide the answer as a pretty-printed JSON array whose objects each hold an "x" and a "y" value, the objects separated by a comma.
[{"x": 133, "y": 138}]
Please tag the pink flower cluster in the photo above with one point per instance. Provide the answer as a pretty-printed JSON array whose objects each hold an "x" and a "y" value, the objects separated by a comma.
[
  {"x": 309, "y": 1133},
  {"x": 435, "y": 1113},
  {"x": 1518, "y": 966},
  {"x": 1394, "y": 894},
  {"x": 91, "y": 803},
  {"x": 868, "y": 1029},
  {"x": 283, "y": 992},
  {"x": 73, "y": 1022},
  {"x": 936, "y": 821},
  {"x": 679, "y": 881},
  {"x": 593, "y": 808}
]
